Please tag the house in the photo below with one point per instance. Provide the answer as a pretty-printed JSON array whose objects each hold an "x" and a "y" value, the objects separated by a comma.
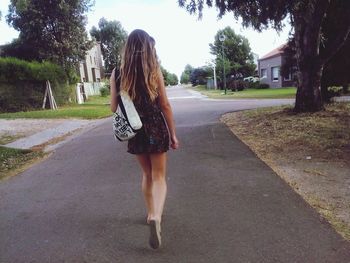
[
  {"x": 91, "y": 70},
  {"x": 269, "y": 69}
]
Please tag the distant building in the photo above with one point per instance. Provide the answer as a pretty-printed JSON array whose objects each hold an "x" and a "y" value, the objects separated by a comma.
[
  {"x": 91, "y": 70},
  {"x": 269, "y": 67}
]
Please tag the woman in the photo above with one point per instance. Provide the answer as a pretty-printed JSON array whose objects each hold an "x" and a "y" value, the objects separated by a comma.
[{"x": 141, "y": 77}]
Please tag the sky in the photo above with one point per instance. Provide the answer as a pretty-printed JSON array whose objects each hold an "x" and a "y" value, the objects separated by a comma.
[{"x": 181, "y": 38}]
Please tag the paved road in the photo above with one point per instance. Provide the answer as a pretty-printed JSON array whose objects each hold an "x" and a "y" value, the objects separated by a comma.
[{"x": 84, "y": 203}]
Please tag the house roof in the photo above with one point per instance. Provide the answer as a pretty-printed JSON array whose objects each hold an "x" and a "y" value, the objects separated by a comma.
[{"x": 274, "y": 52}]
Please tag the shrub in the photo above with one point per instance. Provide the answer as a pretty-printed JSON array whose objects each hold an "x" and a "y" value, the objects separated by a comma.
[
  {"x": 237, "y": 85},
  {"x": 22, "y": 84},
  {"x": 253, "y": 85},
  {"x": 263, "y": 86},
  {"x": 104, "y": 91}
]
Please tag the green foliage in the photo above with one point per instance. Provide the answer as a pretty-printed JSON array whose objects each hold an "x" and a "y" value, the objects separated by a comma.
[
  {"x": 237, "y": 85},
  {"x": 96, "y": 107},
  {"x": 104, "y": 92},
  {"x": 52, "y": 31},
  {"x": 279, "y": 93},
  {"x": 253, "y": 84},
  {"x": 22, "y": 84},
  {"x": 258, "y": 14},
  {"x": 14, "y": 70},
  {"x": 11, "y": 159},
  {"x": 238, "y": 58},
  {"x": 263, "y": 86},
  {"x": 169, "y": 78},
  {"x": 112, "y": 37},
  {"x": 200, "y": 75},
  {"x": 185, "y": 76}
]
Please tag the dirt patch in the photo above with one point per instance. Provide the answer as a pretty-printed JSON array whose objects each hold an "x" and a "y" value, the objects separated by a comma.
[{"x": 310, "y": 152}]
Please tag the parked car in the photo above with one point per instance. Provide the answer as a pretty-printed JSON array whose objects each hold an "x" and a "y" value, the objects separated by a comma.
[{"x": 251, "y": 79}]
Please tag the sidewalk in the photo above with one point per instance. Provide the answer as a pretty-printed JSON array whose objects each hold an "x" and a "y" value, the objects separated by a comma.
[{"x": 47, "y": 133}]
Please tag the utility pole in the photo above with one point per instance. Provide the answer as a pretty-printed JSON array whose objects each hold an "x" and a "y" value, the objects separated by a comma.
[
  {"x": 215, "y": 82},
  {"x": 222, "y": 39}
]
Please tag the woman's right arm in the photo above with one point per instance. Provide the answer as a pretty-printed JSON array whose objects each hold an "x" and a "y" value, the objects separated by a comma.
[{"x": 113, "y": 86}]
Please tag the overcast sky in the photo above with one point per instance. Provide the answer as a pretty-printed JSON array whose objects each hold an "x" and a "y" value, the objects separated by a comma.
[{"x": 180, "y": 37}]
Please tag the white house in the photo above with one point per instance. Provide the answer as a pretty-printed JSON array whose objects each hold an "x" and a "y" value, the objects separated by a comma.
[{"x": 91, "y": 70}]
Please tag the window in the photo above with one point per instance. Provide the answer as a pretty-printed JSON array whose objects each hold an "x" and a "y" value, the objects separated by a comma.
[
  {"x": 275, "y": 72},
  {"x": 263, "y": 73},
  {"x": 289, "y": 76}
]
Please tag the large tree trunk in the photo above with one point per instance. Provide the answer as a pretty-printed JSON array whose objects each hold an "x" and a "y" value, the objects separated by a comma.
[
  {"x": 307, "y": 25},
  {"x": 308, "y": 98}
]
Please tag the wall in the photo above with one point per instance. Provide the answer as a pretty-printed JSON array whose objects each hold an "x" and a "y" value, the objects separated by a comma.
[
  {"x": 267, "y": 64},
  {"x": 91, "y": 69}
]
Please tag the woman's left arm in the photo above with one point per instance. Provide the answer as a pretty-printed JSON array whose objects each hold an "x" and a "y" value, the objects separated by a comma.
[{"x": 167, "y": 112}]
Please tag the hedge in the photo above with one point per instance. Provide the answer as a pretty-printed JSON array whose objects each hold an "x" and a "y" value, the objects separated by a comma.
[{"x": 22, "y": 84}]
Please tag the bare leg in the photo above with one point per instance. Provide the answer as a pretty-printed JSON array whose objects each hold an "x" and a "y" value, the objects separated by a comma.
[
  {"x": 159, "y": 187},
  {"x": 146, "y": 166}
]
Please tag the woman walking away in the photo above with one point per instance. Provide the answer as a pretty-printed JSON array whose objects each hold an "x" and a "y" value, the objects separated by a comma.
[{"x": 140, "y": 76}]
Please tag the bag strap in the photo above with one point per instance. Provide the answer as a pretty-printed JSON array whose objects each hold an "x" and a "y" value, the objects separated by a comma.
[{"x": 117, "y": 79}]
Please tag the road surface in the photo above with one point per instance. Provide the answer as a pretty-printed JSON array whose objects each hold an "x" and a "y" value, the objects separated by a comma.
[{"x": 84, "y": 203}]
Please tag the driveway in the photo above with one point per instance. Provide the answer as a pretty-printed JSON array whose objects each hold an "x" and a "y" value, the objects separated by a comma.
[{"x": 84, "y": 203}]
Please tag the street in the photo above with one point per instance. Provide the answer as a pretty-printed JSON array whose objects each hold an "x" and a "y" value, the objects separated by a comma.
[{"x": 84, "y": 203}]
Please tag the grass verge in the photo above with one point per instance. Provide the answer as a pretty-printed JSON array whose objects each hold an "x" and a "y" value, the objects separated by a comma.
[
  {"x": 13, "y": 161},
  {"x": 8, "y": 138},
  {"x": 95, "y": 108},
  {"x": 310, "y": 151},
  {"x": 280, "y": 93}
]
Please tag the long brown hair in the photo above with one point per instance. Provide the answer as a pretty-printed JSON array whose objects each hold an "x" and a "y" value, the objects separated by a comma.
[{"x": 139, "y": 54}]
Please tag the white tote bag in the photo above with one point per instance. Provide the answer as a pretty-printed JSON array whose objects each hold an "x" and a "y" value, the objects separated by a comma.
[{"x": 126, "y": 120}]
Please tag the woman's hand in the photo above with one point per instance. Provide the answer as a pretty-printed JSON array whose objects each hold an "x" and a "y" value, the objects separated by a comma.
[{"x": 174, "y": 142}]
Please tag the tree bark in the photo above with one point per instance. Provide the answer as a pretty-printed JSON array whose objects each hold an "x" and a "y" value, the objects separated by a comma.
[{"x": 307, "y": 24}]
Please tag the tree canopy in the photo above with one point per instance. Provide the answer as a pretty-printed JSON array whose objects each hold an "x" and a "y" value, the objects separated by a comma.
[
  {"x": 199, "y": 76},
  {"x": 112, "y": 37},
  {"x": 238, "y": 57},
  {"x": 52, "y": 31},
  {"x": 169, "y": 78},
  {"x": 307, "y": 18},
  {"x": 185, "y": 75}
]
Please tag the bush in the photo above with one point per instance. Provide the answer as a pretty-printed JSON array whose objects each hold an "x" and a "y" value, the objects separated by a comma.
[
  {"x": 14, "y": 70},
  {"x": 237, "y": 85},
  {"x": 253, "y": 85},
  {"x": 22, "y": 84},
  {"x": 263, "y": 86},
  {"x": 104, "y": 91}
]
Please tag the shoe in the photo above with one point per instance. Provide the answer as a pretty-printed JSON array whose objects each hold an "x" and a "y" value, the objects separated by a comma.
[{"x": 155, "y": 238}]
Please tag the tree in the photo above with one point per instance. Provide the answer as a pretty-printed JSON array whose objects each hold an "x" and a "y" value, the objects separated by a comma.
[
  {"x": 169, "y": 78},
  {"x": 172, "y": 79},
  {"x": 112, "y": 37},
  {"x": 335, "y": 71},
  {"x": 238, "y": 58},
  {"x": 185, "y": 75},
  {"x": 54, "y": 31},
  {"x": 199, "y": 76},
  {"x": 307, "y": 19}
]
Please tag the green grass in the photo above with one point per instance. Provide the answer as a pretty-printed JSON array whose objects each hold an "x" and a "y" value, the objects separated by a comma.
[
  {"x": 96, "y": 107},
  {"x": 12, "y": 159},
  {"x": 7, "y": 138},
  {"x": 280, "y": 93}
]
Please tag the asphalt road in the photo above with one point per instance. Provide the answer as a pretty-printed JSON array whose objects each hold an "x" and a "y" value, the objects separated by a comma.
[{"x": 84, "y": 203}]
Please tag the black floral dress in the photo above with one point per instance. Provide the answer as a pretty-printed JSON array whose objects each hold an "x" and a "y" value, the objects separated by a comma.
[{"x": 154, "y": 135}]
